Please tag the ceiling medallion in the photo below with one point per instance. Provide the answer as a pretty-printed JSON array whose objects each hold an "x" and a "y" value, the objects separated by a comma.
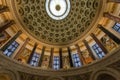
[{"x": 57, "y": 9}]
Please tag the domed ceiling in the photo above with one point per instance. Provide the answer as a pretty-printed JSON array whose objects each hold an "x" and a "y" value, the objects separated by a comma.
[{"x": 57, "y": 22}]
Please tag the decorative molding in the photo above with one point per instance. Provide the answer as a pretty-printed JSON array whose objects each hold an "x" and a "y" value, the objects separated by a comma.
[{"x": 99, "y": 64}]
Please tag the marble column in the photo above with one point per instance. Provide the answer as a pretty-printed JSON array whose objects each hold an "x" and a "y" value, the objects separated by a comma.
[
  {"x": 32, "y": 53},
  {"x": 115, "y": 1},
  {"x": 60, "y": 54},
  {"x": 11, "y": 40},
  {"x": 42, "y": 56},
  {"x": 6, "y": 24},
  {"x": 51, "y": 58},
  {"x": 22, "y": 48},
  {"x": 3, "y": 9},
  {"x": 80, "y": 53},
  {"x": 111, "y": 35},
  {"x": 70, "y": 57},
  {"x": 99, "y": 43},
  {"x": 112, "y": 17},
  {"x": 89, "y": 49}
]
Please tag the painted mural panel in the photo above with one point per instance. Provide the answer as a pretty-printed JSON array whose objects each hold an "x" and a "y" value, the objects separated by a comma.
[
  {"x": 23, "y": 57},
  {"x": 4, "y": 37},
  {"x": 108, "y": 43},
  {"x": 45, "y": 62},
  {"x": 87, "y": 57},
  {"x": 66, "y": 63}
]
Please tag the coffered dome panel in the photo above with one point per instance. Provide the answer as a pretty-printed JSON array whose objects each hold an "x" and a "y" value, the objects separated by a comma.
[{"x": 57, "y": 31}]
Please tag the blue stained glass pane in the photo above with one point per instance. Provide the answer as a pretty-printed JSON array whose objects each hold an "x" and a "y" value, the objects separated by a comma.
[
  {"x": 76, "y": 60},
  {"x": 118, "y": 24},
  {"x": 10, "y": 47},
  {"x": 119, "y": 30},
  {"x": 79, "y": 64},
  {"x": 56, "y": 63},
  {"x": 9, "y": 53},
  {"x": 96, "y": 46},
  {"x": 35, "y": 59},
  {"x": 16, "y": 45},
  {"x": 100, "y": 56},
  {"x": 10, "y": 50},
  {"x": 116, "y": 27},
  {"x": 98, "y": 51},
  {"x": 103, "y": 53},
  {"x": 13, "y": 49},
  {"x": 6, "y": 51},
  {"x": 13, "y": 43}
]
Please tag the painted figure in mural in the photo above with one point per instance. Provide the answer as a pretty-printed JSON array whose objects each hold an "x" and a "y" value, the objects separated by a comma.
[
  {"x": 3, "y": 38},
  {"x": 108, "y": 43}
]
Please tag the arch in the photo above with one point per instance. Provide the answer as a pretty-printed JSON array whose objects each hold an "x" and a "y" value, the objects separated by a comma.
[
  {"x": 55, "y": 78},
  {"x": 9, "y": 75},
  {"x": 105, "y": 77},
  {"x": 114, "y": 74}
]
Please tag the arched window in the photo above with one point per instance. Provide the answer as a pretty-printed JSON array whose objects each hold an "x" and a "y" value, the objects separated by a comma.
[
  {"x": 35, "y": 59},
  {"x": 11, "y": 49},
  {"x": 116, "y": 27},
  {"x": 56, "y": 63},
  {"x": 98, "y": 51},
  {"x": 76, "y": 60}
]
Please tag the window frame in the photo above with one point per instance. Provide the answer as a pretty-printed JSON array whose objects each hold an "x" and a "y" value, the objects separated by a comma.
[
  {"x": 76, "y": 60},
  {"x": 35, "y": 59},
  {"x": 11, "y": 49},
  {"x": 56, "y": 62},
  {"x": 98, "y": 50},
  {"x": 116, "y": 27}
]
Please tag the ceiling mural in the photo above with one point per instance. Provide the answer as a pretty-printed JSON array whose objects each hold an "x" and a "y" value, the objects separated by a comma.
[{"x": 69, "y": 20}]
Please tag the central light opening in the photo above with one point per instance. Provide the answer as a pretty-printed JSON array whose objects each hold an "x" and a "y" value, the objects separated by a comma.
[{"x": 58, "y": 7}]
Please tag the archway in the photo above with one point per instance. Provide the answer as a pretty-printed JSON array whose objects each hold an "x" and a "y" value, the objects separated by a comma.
[
  {"x": 5, "y": 77},
  {"x": 106, "y": 77}
]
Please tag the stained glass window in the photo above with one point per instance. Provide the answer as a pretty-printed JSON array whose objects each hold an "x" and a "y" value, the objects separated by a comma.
[
  {"x": 98, "y": 51},
  {"x": 35, "y": 59},
  {"x": 116, "y": 27},
  {"x": 56, "y": 63},
  {"x": 11, "y": 49},
  {"x": 76, "y": 60}
]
